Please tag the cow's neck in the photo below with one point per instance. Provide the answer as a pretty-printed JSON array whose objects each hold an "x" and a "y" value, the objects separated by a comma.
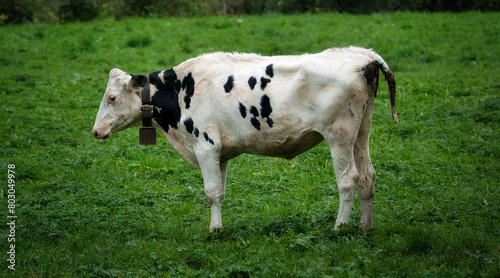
[{"x": 165, "y": 89}]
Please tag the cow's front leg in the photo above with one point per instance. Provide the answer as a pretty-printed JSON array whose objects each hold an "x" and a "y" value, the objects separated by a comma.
[{"x": 214, "y": 177}]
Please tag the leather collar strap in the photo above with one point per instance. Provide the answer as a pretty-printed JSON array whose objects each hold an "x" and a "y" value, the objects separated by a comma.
[
  {"x": 147, "y": 134},
  {"x": 147, "y": 107}
]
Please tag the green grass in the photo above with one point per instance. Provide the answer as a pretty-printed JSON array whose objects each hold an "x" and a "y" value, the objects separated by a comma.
[{"x": 113, "y": 208}]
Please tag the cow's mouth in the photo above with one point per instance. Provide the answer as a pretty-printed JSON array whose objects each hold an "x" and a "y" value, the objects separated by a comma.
[
  {"x": 100, "y": 135},
  {"x": 106, "y": 136}
]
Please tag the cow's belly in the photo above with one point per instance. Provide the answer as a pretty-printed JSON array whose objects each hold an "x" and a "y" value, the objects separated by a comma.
[{"x": 271, "y": 144}]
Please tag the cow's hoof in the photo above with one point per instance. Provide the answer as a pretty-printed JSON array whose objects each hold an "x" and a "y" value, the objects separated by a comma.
[
  {"x": 215, "y": 229},
  {"x": 365, "y": 227}
]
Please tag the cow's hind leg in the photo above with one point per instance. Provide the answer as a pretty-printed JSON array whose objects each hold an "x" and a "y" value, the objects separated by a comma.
[
  {"x": 341, "y": 139},
  {"x": 214, "y": 179},
  {"x": 365, "y": 185}
]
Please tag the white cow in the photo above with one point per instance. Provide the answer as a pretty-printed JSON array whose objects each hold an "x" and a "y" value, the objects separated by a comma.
[{"x": 217, "y": 106}]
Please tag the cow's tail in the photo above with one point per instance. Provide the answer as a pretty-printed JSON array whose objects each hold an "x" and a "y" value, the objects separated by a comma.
[{"x": 389, "y": 77}]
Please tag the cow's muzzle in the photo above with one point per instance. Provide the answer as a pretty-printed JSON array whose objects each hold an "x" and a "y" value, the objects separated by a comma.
[{"x": 99, "y": 134}]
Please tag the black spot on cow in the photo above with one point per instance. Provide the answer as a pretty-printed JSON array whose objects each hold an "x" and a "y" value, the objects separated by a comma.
[
  {"x": 265, "y": 106},
  {"x": 263, "y": 82},
  {"x": 243, "y": 110},
  {"x": 270, "y": 122},
  {"x": 254, "y": 111},
  {"x": 255, "y": 122},
  {"x": 229, "y": 84},
  {"x": 189, "y": 123},
  {"x": 251, "y": 82},
  {"x": 166, "y": 99},
  {"x": 266, "y": 109},
  {"x": 188, "y": 87},
  {"x": 208, "y": 139},
  {"x": 270, "y": 71},
  {"x": 265, "y": 112}
]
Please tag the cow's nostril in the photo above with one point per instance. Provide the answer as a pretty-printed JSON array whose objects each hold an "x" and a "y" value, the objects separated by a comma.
[{"x": 96, "y": 134}]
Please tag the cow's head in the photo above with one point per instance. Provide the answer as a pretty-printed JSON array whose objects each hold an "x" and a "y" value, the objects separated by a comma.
[{"x": 120, "y": 105}]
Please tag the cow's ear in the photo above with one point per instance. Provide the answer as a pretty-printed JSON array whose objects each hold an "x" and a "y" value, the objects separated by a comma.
[
  {"x": 138, "y": 81},
  {"x": 114, "y": 73}
]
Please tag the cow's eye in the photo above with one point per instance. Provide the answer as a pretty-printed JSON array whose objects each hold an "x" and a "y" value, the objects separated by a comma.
[{"x": 112, "y": 99}]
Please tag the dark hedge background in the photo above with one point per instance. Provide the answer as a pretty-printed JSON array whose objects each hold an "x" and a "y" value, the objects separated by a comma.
[{"x": 60, "y": 11}]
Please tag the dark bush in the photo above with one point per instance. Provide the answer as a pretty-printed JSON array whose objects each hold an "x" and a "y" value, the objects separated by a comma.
[
  {"x": 158, "y": 7},
  {"x": 16, "y": 11},
  {"x": 84, "y": 10},
  {"x": 78, "y": 10}
]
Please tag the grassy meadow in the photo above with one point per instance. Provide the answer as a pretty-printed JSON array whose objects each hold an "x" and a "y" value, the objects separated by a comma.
[{"x": 113, "y": 208}]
